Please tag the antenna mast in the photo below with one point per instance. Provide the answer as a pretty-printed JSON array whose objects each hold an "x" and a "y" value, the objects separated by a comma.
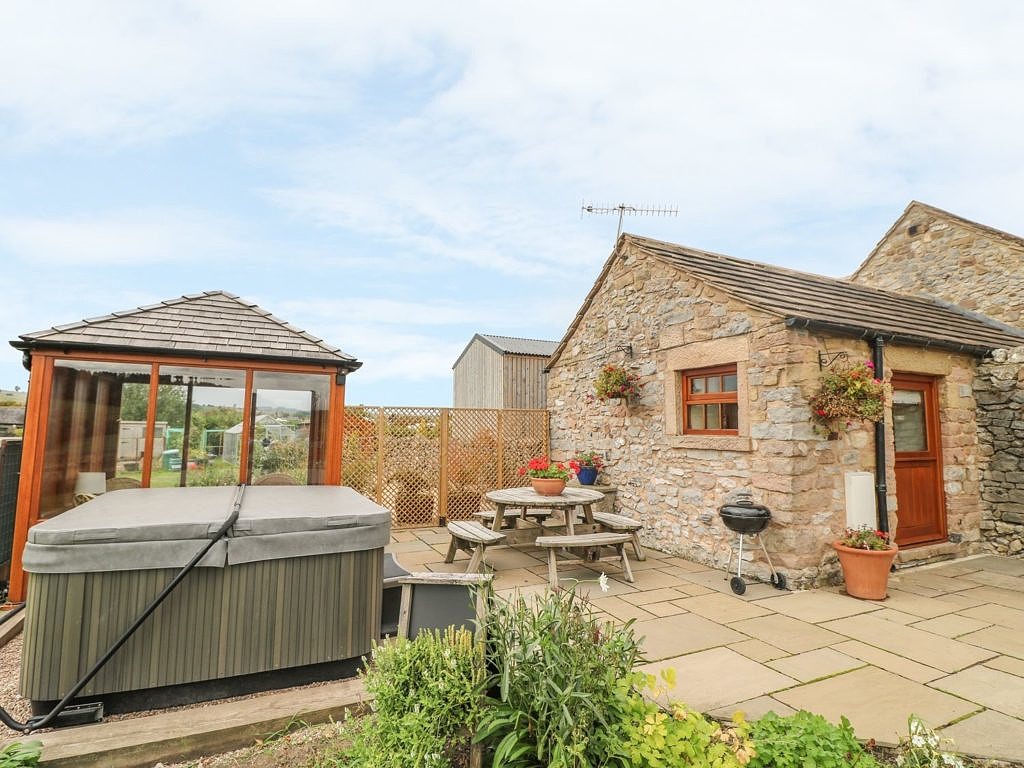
[{"x": 622, "y": 209}]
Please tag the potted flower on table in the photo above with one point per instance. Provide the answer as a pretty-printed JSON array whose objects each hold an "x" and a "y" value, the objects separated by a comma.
[
  {"x": 547, "y": 477},
  {"x": 586, "y": 465},
  {"x": 866, "y": 558}
]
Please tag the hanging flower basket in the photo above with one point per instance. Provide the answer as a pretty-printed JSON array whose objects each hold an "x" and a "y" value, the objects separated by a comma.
[
  {"x": 616, "y": 381},
  {"x": 847, "y": 393}
]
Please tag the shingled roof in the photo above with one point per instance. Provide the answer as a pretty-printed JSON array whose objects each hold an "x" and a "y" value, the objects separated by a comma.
[
  {"x": 210, "y": 324},
  {"x": 823, "y": 303}
]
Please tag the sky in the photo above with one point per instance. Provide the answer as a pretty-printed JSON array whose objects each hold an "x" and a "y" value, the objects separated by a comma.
[{"x": 395, "y": 177}]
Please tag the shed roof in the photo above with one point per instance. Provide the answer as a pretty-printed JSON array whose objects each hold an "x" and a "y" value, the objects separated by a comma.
[
  {"x": 824, "y": 303},
  {"x": 512, "y": 345},
  {"x": 12, "y": 415},
  {"x": 209, "y": 324}
]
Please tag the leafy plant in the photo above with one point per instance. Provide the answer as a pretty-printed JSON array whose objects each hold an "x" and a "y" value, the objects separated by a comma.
[
  {"x": 556, "y": 681},
  {"x": 922, "y": 748},
  {"x": 587, "y": 459},
  {"x": 544, "y": 467},
  {"x": 616, "y": 381},
  {"x": 650, "y": 737},
  {"x": 426, "y": 701},
  {"x": 21, "y": 754},
  {"x": 804, "y": 739},
  {"x": 846, "y": 393},
  {"x": 865, "y": 538}
]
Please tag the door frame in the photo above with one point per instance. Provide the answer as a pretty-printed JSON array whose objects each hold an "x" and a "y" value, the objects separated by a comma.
[{"x": 928, "y": 385}]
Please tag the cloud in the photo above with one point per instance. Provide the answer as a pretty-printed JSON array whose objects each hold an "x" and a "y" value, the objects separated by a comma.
[{"x": 132, "y": 237}]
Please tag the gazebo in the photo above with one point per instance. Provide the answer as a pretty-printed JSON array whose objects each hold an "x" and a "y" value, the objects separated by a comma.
[{"x": 131, "y": 400}]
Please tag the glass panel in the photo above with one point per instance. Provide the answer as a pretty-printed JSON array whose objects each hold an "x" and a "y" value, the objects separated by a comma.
[
  {"x": 908, "y": 421},
  {"x": 94, "y": 433},
  {"x": 714, "y": 416},
  {"x": 290, "y": 434},
  {"x": 697, "y": 386},
  {"x": 730, "y": 416},
  {"x": 198, "y": 426},
  {"x": 696, "y": 417},
  {"x": 729, "y": 382},
  {"x": 714, "y": 383}
]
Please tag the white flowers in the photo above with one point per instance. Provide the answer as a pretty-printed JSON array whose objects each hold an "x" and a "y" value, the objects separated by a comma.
[{"x": 602, "y": 581}]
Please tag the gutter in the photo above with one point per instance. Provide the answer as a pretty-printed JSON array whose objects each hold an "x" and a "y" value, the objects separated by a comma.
[{"x": 860, "y": 332}]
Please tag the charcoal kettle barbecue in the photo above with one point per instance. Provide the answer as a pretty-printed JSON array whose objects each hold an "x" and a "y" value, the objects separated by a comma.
[{"x": 746, "y": 518}]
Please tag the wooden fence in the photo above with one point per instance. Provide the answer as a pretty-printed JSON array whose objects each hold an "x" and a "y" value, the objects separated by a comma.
[{"x": 428, "y": 465}]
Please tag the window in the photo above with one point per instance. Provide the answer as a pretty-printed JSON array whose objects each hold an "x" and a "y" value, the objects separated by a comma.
[{"x": 709, "y": 401}]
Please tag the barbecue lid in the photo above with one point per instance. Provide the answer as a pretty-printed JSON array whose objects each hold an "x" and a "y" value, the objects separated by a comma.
[{"x": 741, "y": 504}]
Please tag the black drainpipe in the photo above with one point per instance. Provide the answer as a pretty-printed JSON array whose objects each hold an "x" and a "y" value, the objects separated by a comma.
[{"x": 881, "y": 492}]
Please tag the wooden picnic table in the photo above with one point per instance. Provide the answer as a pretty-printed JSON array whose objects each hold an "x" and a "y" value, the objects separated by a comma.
[{"x": 567, "y": 502}]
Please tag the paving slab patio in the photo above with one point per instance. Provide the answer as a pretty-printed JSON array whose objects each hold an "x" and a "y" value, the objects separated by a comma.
[
  {"x": 993, "y": 688},
  {"x": 816, "y": 664},
  {"x": 987, "y": 734},
  {"x": 818, "y": 605},
  {"x": 787, "y": 633},
  {"x": 672, "y": 636}
]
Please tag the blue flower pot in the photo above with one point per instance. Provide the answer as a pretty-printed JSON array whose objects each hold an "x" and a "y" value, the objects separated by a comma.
[{"x": 587, "y": 475}]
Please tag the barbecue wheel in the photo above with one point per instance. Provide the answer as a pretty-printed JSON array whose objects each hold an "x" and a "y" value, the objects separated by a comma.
[
  {"x": 778, "y": 580},
  {"x": 738, "y": 585}
]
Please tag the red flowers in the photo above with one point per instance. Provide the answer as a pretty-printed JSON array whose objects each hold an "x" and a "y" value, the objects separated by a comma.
[{"x": 542, "y": 466}]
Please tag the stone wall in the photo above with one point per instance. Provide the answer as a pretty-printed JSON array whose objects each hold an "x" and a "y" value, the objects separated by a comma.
[
  {"x": 1000, "y": 394},
  {"x": 675, "y": 483},
  {"x": 933, "y": 253}
]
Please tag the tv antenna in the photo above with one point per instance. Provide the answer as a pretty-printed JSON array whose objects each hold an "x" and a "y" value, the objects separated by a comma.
[{"x": 622, "y": 209}]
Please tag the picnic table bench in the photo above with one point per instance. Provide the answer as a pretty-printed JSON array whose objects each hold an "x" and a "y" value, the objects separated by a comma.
[{"x": 586, "y": 543}]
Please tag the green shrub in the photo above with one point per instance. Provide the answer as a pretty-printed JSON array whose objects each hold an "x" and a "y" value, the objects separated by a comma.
[
  {"x": 426, "y": 701},
  {"x": 650, "y": 737},
  {"x": 21, "y": 754},
  {"x": 556, "y": 682},
  {"x": 805, "y": 739}
]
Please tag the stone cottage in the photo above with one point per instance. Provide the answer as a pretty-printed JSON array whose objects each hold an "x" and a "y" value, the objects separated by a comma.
[{"x": 753, "y": 339}]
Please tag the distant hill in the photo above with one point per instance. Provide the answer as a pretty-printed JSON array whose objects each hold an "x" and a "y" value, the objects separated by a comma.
[{"x": 9, "y": 397}]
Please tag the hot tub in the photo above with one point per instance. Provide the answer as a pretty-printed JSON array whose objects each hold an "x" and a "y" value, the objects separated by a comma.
[{"x": 294, "y": 587}]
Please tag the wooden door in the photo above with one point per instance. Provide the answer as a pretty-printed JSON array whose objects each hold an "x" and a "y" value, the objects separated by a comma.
[{"x": 919, "y": 493}]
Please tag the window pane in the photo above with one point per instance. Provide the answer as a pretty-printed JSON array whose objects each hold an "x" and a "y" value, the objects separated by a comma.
[
  {"x": 714, "y": 416},
  {"x": 698, "y": 386},
  {"x": 696, "y": 417},
  {"x": 95, "y": 431},
  {"x": 909, "y": 430},
  {"x": 730, "y": 416},
  {"x": 290, "y": 433},
  {"x": 714, "y": 383},
  {"x": 199, "y": 415},
  {"x": 729, "y": 382}
]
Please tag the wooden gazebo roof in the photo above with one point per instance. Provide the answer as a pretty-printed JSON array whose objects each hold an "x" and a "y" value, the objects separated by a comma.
[{"x": 213, "y": 324}]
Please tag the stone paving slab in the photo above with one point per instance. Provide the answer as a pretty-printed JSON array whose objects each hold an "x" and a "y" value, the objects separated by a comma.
[
  {"x": 1013, "y": 566},
  {"x": 1009, "y": 642},
  {"x": 997, "y": 595},
  {"x": 818, "y": 605},
  {"x": 988, "y": 733},
  {"x": 722, "y": 608},
  {"x": 896, "y": 616},
  {"x": 890, "y": 662},
  {"x": 918, "y": 605},
  {"x": 933, "y": 650},
  {"x": 1007, "y": 664},
  {"x": 758, "y": 650},
  {"x": 620, "y": 609},
  {"x": 989, "y": 687},
  {"x": 664, "y": 609},
  {"x": 991, "y": 613},
  {"x": 753, "y": 709},
  {"x": 816, "y": 664},
  {"x": 676, "y": 635},
  {"x": 997, "y": 580},
  {"x": 876, "y": 702},
  {"x": 951, "y": 625},
  {"x": 789, "y": 634},
  {"x": 935, "y": 581},
  {"x": 717, "y": 678}
]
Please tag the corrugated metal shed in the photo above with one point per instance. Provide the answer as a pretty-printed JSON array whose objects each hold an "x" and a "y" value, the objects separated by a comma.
[{"x": 501, "y": 372}]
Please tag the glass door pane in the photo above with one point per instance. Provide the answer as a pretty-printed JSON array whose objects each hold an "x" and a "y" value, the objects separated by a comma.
[
  {"x": 908, "y": 421},
  {"x": 290, "y": 428}
]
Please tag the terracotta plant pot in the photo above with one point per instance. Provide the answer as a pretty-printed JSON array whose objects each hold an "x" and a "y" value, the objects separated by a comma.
[
  {"x": 547, "y": 486},
  {"x": 866, "y": 571}
]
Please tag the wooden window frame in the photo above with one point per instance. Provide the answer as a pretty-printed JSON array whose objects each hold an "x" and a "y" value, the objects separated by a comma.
[{"x": 710, "y": 398}]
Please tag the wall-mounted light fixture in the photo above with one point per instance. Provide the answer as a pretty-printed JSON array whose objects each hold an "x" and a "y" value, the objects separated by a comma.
[{"x": 627, "y": 348}]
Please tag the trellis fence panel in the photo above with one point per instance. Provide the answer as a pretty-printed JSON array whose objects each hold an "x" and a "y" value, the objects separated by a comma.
[{"x": 428, "y": 465}]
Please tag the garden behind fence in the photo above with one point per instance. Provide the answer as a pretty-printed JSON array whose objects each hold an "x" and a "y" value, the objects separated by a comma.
[{"x": 428, "y": 465}]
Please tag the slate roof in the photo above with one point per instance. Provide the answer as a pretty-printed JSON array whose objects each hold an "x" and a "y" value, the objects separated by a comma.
[
  {"x": 512, "y": 345},
  {"x": 210, "y": 324},
  {"x": 12, "y": 415},
  {"x": 824, "y": 303}
]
